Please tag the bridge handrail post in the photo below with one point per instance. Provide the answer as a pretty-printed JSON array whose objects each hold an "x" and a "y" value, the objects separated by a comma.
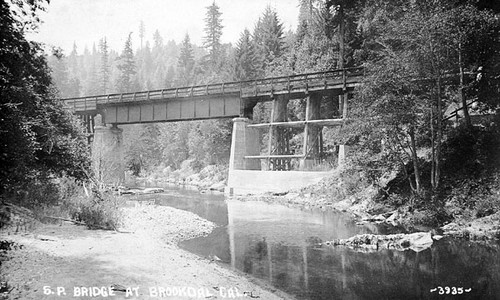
[
  {"x": 344, "y": 80},
  {"x": 177, "y": 93},
  {"x": 223, "y": 88}
]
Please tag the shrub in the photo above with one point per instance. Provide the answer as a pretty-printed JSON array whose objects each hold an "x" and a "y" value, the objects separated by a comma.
[
  {"x": 50, "y": 198},
  {"x": 41, "y": 190},
  {"x": 100, "y": 214},
  {"x": 353, "y": 181}
]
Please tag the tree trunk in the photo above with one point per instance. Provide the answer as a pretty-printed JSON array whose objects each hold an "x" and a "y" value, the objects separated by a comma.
[
  {"x": 414, "y": 158},
  {"x": 433, "y": 153},
  {"x": 341, "y": 36},
  {"x": 462, "y": 89},
  {"x": 439, "y": 120}
]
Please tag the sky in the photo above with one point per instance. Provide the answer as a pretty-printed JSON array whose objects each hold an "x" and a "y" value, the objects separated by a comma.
[{"x": 85, "y": 22}]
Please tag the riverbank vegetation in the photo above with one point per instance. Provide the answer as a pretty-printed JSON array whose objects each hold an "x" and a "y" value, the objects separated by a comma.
[
  {"x": 45, "y": 157},
  {"x": 428, "y": 108},
  {"x": 423, "y": 128}
]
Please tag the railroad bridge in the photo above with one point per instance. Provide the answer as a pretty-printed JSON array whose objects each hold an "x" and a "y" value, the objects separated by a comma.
[{"x": 103, "y": 114}]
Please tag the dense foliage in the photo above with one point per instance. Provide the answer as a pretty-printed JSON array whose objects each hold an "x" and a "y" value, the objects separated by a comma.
[
  {"x": 40, "y": 139},
  {"x": 422, "y": 59},
  {"x": 415, "y": 59}
]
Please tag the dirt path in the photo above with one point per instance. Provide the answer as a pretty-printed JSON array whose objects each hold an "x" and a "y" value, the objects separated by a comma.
[{"x": 67, "y": 261}]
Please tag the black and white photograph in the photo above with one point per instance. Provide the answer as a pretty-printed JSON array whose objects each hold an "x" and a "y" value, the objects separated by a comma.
[{"x": 264, "y": 149}]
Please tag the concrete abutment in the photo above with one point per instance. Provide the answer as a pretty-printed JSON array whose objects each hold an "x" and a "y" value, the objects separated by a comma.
[
  {"x": 107, "y": 154},
  {"x": 245, "y": 141}
]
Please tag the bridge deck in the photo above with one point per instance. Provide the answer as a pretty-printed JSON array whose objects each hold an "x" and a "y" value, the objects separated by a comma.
[{"x": 260, "y": 89}]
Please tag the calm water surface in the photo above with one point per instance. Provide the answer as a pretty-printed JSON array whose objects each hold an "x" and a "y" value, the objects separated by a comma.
[{"x": 276, "y": 244}]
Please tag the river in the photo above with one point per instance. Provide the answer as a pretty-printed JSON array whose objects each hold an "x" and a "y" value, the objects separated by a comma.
[{"x": 277, "y": 244}]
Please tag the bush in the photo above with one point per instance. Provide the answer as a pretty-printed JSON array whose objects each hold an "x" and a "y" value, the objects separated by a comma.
[
  {"x": 100, "y": 214},
  {"x": 50, "y": 198},
  {"x": 353, "y": 181},
  {"x": 98, "y": 209},
  {"x": 39, "y": 192}
]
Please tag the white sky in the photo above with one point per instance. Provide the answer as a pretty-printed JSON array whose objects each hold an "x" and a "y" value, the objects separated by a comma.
[{"x": 87, "y": 21}]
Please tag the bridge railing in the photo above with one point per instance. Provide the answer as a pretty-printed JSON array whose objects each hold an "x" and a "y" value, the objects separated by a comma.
[{"x": 247, "y": 88}]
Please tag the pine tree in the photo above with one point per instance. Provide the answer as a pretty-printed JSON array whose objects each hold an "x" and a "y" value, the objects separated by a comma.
[
  {"x": 313, "y": 50},
  {"x": 185, "y": 63},
  {"x": 268, "y": 38},
  {"x": 245, "y": 67},
  {"x": 170, "y": 77},
  {"x": 310, "y": 13},
  {"x": 142, "y": 31},
  {"x": 341, "y": 22},
  {"x": 104, "y": 72},
  {"x": 62, "y": 77},
  {"x": 145, "y": 66},
  {"x": 73, "y": 60},
  {"x": 213, "y": 33},
  {"x": 158, "y": 40},
  {"x": 126, "y": 65}
]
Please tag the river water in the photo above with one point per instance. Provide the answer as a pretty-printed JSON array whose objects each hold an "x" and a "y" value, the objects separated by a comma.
[{"x": 276, "y": 244}]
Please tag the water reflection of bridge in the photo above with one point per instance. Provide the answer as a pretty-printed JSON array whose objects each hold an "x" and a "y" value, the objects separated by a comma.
[{"x": 275, "y": 243}]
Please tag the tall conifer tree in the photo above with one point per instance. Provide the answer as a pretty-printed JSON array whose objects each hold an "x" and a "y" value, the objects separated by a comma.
[
  {"x": 213, "y": 33},
  {"x": 245, "y": 67},
  {"x": 104, "y": 71},
  {"x": 268, "y": 38},
  {"x": 185, "y": 63},
  {"x": 127, "y": 67}
]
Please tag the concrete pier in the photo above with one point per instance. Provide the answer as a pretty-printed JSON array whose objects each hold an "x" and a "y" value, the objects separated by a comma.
[
  {"x": 107, "y": 154},
  {"x": 245, "y": 141}
]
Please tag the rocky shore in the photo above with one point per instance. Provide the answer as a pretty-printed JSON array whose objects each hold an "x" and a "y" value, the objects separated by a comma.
[
  {"x": 212, "y": 177},
  {"x": 417, "y": 242},
  {"x": 141, "y": 261},
  {"x": 485, "y": 228}
]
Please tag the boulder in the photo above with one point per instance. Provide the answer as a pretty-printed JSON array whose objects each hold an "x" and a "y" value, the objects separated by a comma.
[
  {"x": 219, "y": 186},
  {"x": 393, "y": 219},
  {"x": 437, "y": 237},
  {"x": 417, "y": 242},
  {"x": 153, "y": 190},
  {"x": 377, "y": 218}
]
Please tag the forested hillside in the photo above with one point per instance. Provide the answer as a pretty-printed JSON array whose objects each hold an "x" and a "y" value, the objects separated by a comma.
[
  {"x": 262, "y": 51},
  {"x": 427, "y": 109}
]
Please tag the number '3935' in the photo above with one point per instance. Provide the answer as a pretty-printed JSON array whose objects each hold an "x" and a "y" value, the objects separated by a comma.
[{"x": 450, "y": 290}]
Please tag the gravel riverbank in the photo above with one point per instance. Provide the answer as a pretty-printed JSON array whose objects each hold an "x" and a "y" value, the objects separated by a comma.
[{"x": 65, "y": 261}]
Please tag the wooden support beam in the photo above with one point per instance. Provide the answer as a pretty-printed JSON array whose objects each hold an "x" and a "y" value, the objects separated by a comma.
[
  {"x": 270, "y": 136},
  {"x": 274, "y": 156},
  {"x": 321, "y": 122},
  {"x": 306, "y": 126}
]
